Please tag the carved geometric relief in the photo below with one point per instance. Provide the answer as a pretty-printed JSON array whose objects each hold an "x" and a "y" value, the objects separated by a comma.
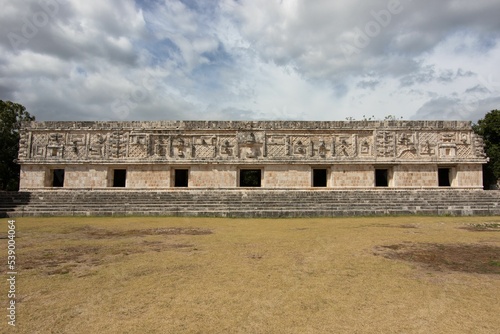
[
  {"x": 321, "y": 147},
  {"x": 98, "y": 145},
  {"x": 464, "y": 146},
  {"x": 160, "y": 145},
  {"x": 448, "y": 137},
  {"x": 39, "y": 145},
  {"x": 407, "y": 145},
  {"x": 464, "y": 138},
  {"x": 428, "y": 143},
  {"x": 39, "y": 151},
  {"x": 204, "y": 151},
  {"x": 275, "y": 151},
  {"x": 300, "y": 145},
  {"x": 55, "y": 152},
  {"x": 386, "y": 144},
  {"x": 276, "y": 140},
  {"x": 55, "y": 145},
  {"x": 205, "y": 140},
  {"x": 479, "y": 147},
  {"x": 227, "y": 146},
  {"x": 204, "y": 146},
  {"x": 181, "y": 147},
  {"x": 365, "y": 145},
  {"x": 23, "y": 145},
  {"x": 56, "y": 139},
  {"x": 75, "y": 146},
  {"x": 248, "y": 151},
  {"x": 464, "y": 151},
  {"x": 448, "y": 145},
  {"x": 249, "y": 137},
  {"x": 447, "y": 150},
  {"x": 138, "y": 145},
  {"x": 250, "y": 145},
  {"x": 118, "y": 145},
  {"x": 345, "y": 146},
  {"x": 276, "y": 146}
]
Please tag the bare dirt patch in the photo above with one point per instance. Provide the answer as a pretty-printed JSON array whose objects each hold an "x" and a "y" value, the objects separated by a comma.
[
  {"x": 469, "y": 258},
  {"x": 69, "y": 259},
  {"x": 82, "y": 258},
  {"x": 408, "y": 226},
  {"x": 482, "y": 227},
  {"x": 99, "y": 233}
]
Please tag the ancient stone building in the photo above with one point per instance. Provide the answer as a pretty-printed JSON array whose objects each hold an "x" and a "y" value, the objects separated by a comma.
[{"x": 266, "y": 154}]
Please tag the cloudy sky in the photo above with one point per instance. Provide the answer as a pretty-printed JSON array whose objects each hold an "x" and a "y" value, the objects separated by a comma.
[{"x": 251, "y": 59}]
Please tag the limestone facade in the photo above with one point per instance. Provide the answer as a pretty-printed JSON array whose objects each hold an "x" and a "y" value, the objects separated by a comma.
[{"x": 267, "y": 154}]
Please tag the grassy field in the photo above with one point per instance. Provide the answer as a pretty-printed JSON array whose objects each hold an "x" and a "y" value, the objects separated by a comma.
[{"x": 209, "y": 275}]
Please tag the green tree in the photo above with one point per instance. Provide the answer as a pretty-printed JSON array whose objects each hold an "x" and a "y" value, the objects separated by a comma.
[
  {"x": 11, "y": 116},
  {"x": 489, "y": 129}
]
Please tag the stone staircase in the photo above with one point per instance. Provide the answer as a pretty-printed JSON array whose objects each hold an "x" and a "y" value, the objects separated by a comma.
[{"x": 249, "y": 202}]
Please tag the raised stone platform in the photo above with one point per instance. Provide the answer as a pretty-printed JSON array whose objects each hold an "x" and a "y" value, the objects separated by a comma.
[{"x": 250, "y": 203}]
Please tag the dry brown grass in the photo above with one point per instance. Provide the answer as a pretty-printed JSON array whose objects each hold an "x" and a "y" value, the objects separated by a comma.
[{"x": 206, "y": 275}]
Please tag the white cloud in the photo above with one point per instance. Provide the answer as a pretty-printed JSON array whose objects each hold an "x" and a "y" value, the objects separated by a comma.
[{"x": 250, "y": 59}]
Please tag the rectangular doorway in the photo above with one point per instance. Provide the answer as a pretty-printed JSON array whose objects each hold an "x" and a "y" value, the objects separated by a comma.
[
  {"x": 119, "y": 178},
  {"x": 181, "y": 178},
  {"x": 319, "y": 177},
  {"x": 58, "y": 178},
  {"x": 250, "y": 177},
  {"x": 444, "y": 177},
  {"x": 381, "y": 177}
]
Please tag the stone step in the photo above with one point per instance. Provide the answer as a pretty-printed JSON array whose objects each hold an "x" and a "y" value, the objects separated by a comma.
[{"x": 254, "y": 203}]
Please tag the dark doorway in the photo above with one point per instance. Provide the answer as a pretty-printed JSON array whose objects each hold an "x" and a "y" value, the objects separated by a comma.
[
  {"x": 319, "y": 177},
  {"x": 250, "y": 177},
  {"x": 119, "y": 177},
  {"x": 58, "y": 178},
  {"x": 381, "y": 177},
  {"x": 181, "y": 177},
  {"x": 444, "y": 177}
]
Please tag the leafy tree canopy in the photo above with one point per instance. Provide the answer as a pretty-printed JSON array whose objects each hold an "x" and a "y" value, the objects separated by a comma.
[
  {"x": 489, "y": 129},
  {"x": 11, "y": 116}
]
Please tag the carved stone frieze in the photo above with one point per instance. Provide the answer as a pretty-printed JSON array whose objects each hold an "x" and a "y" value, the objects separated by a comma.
[
  {"x": 276, "y": 146},
  {"x": 406, "y": 144},
  {"x": 248, "y": 141},
  {"x": 300, "y": 146},
  {"x": 250, "y": 145},
  {"x": 181, "y": 148},
  {"x": 76, "y": 146},
  {"x": 228, "y": 146},
  {"x": 24, "y": 145},
  {"x": 160, "y": 145},
  {"x": 204, "y": 147},
  {"x": 138, "y": 145},
  {"x": 98, "y": 145},
  {"x": 386, "y": 144}
]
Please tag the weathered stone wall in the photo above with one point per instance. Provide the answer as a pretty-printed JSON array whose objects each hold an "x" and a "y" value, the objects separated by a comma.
[
  {"x": 32, "y": 177},
  {"x": 469, "y": 175},
  {"x": 356, "y": 176},
  {"x": 85, "y": 176},
  {"x": 415, "y": 176},
  {"x": 213, "y": 176},
  {"x": 287, "y": 176},
  {"x": 148, "y": 176}
]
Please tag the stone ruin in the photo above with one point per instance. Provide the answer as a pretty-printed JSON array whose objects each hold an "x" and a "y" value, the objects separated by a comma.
[{"x": 247, "y": 154}]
